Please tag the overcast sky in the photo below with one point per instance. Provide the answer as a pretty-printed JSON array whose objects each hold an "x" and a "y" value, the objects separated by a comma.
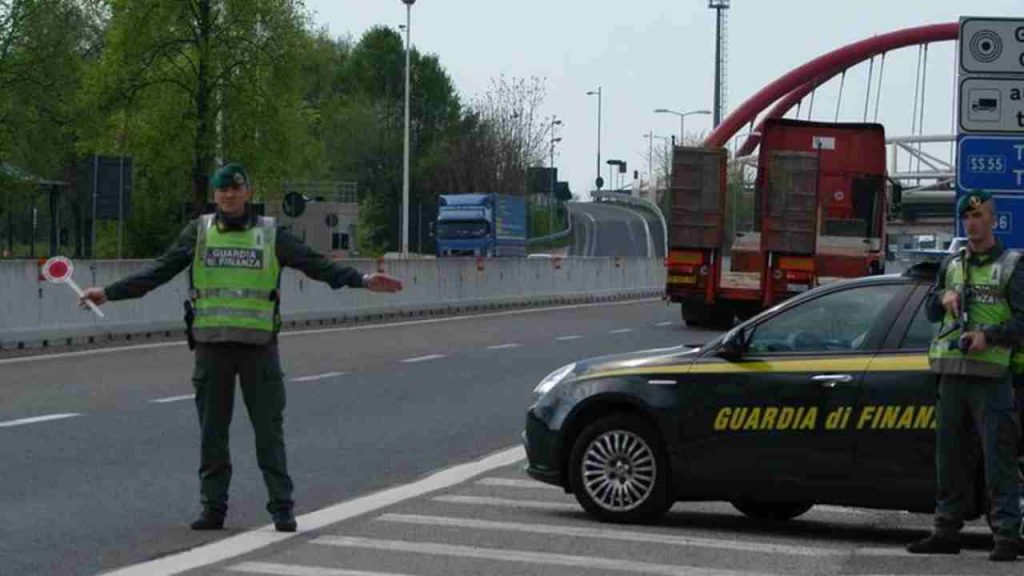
[{"x": 649, "y": 54}]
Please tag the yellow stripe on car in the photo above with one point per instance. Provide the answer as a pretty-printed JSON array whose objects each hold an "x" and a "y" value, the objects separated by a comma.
[{"x": 882, "y": 363}]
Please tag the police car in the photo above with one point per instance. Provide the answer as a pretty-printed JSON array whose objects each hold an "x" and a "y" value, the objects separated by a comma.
[{"x": 826, "y": 398}]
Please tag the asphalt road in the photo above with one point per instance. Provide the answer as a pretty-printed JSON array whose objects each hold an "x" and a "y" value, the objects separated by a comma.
[
  {"x": 112, "y": 482},
  {"x": 100, "y": 448},
  {"x": 604, "y": 229}
]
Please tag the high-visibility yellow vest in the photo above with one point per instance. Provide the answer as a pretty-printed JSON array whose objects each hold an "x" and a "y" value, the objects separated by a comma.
[
  {"x": 987, "y": 305},
  {"x": 235, "y": 279}
]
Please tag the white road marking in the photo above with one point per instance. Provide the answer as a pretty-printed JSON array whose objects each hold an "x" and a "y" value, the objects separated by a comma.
[
  {"x": 621, "y": 331},
  {"x": 516, "y": 483},
  {"x": 170, "y": 399},
  {"x": 78, "y": 354},
  {"x": 567, "y": 338},
  {"x": 522, "y": 556},
  {"x": 290, "y": 570},
  {"x": 426, "y": 358},
  {"x": 318, "y": 376},
  {"x": 37, "y": 419},
  {"x": 265, "y": 536},
  {"x": 590, "y": 247},
  {"x": 504, "y": 346},
  {"x": 661, "y": 324},
  {"x": 507, "y": 503},
  {"x": 620, "y": 535}
]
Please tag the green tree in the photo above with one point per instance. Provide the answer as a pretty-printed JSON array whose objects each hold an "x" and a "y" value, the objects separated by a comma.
[
  {"x": 364, "y": 129},
  {"x": 186, "y": 84},
  {"x": 229, "y": 68}
]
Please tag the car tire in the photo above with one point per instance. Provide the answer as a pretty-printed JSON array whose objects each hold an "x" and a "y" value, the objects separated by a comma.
[
  {"x": 618, "y": 470},
  {"x": 696, "y": 314},
  {"x": 771, "y": 511}
]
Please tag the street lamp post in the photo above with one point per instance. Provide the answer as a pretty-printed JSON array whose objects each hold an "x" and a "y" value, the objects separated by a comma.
[
  {"x": 405, "y": 155},
  {"x": 598, "y": 181},
  {"x": 551, "y": 198},
  {"x": 682, "y": 120}
]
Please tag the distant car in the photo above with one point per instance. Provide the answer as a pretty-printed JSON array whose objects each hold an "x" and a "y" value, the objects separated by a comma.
[
  {"x": 539, "y": 255},
  {"x": 956, "y": 244},
  {"x": 825, "y": 398}
]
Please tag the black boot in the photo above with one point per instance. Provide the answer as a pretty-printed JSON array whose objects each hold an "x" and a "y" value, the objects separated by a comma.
[
  {"x": 284, "y": 521},
  {"x": 936, "y": 544},
  {"x": 209, "y": 520},
  {"x": 1004, "y": 551}
]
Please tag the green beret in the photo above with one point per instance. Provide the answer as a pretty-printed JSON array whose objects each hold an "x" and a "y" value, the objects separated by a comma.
[
  {"x": 229, "y": 174},
  {"x": 971, "y": 200}
]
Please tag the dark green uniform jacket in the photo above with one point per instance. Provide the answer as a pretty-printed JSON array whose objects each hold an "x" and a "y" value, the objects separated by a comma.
[{"x": 291, "y": 252}]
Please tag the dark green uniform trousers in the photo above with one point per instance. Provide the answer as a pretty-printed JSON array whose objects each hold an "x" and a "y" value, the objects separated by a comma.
[
  {"x": 967, "y": 404},
  {"x": 258, "y": 368}
]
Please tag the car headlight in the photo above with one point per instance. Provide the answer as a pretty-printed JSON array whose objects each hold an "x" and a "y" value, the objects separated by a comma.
[{"x": 554, "y": 378}]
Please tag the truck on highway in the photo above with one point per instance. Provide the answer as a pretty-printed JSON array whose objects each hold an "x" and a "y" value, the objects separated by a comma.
[
  {"x": 481, "y": 225},
  {"x": 819, "y": 216}
]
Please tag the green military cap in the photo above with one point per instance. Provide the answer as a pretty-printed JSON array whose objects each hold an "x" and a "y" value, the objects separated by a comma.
[
  {"x": 229, "y": 174},
  {"x": 971, "y": 200}
]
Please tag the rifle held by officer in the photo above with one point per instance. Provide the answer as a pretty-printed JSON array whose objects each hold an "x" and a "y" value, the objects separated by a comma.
[{"x": 962, "y": 322}]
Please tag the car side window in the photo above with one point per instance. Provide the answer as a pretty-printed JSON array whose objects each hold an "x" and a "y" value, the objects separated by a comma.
[
  {"x": 920, "y": 332},
  {"x": 836, "y": 322}
]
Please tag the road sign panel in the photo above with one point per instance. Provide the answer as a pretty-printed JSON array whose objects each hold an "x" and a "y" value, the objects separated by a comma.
[
  {"x": 993, "y": 163},
  {"x": 992, "y": 104},
  {"x": 992, "y": 45}
]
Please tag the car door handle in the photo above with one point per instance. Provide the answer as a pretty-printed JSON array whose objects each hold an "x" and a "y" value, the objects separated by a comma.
[{"x": 832, "y": 380}]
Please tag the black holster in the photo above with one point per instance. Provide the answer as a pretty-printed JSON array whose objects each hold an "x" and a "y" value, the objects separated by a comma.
[{"x": 190, "y": 316}]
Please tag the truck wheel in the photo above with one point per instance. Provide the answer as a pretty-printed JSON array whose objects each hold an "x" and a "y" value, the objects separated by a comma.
[
  {"x": 696, "y": 314},
  {"x": 722, "y": 316},
  {"x": 618, "y": 471},
  {"x": 772, "y": 511}
]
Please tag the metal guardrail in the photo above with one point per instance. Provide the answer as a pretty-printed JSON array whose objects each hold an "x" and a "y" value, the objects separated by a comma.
[
  {"x": 556, "y": 235},
  {"x": 641, "y": 202}
]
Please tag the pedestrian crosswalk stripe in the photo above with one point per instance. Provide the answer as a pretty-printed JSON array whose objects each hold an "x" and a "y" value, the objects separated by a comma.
[
  {"x": 516, "y": 483},
  {"x": 530, "y": 504},
  {"x": 291, "y": 570},
  {"x": 620, "y": 535},
  {"x": 524, "y": 557}
]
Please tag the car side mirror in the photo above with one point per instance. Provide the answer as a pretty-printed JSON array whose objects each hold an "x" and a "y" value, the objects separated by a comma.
[{"x": 733, "y": 345}]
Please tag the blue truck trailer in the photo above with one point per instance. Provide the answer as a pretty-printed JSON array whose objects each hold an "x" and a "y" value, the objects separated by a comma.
[{"x": 481, "y": 225}]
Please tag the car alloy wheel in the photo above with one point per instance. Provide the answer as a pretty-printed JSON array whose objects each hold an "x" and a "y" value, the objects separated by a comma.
[{"x": 618, "y": 470}]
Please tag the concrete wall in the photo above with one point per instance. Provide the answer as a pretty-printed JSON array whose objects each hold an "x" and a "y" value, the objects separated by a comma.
[{"x": 35, "y": 313}]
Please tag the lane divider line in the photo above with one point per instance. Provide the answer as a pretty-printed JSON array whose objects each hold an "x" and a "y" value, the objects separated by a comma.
[
  {"x": 170, "y": 399},
  {"x": 37, "y": 419},
  {"x": 426, "y": 358}
]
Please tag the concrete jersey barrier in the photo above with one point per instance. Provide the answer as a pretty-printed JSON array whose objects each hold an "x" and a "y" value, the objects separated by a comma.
[{"x": 36, "y": 313}]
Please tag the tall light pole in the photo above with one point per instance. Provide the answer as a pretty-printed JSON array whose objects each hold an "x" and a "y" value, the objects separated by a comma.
[
  {"x": 598, "y": 182},
  {"x": 405, "y": 155},
  {"x": 551, "y": 198},
  {"x": 682, "y": 120},
  {"x": 720, "y": 7}
]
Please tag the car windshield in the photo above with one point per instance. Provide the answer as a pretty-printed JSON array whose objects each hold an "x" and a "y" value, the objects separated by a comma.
[{"x": 465, "y": 229}]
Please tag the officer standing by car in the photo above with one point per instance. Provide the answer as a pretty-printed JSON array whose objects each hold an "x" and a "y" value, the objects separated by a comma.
[
  {"x": 982, "y": 286},
  {"x": 234, "y": 317}
]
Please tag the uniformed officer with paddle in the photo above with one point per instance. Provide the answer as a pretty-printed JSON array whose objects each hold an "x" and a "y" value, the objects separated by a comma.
[{"x": 235, "y": 258}]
